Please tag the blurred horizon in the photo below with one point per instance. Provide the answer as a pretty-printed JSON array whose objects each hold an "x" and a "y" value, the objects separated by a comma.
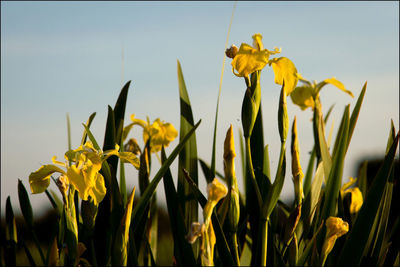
[{"x": 74, "y": 57}]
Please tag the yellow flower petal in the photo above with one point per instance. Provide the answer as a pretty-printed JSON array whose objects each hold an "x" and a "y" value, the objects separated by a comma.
[
  {"x": 161, "y": 134},
  {"x": 336, "y": 83},
  {"x": 302, "y": 96},
  {"x": 40, "y": 179},
  {"x": 216, "y": 190},
  {"x": 257, "y": 43},
  {"x": 336, "y": 226},
  {"x": 138, "y": 121},
  {"x": 356, "y": 199},
  {"x": 249, "y": 60},
  {"x": 99, "y": 189},
  {"x": 76, "y": 178},
  {"x": 285, "y": 71}
]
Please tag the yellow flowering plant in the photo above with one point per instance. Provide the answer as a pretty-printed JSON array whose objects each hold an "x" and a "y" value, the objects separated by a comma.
[
  {"x": 99, "y": 224},
  {"x": 159, "y": 132},
  {"x": 83, "y": 173}
]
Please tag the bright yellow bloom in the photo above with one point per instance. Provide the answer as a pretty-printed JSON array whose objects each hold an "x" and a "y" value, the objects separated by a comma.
[
  {"x": 159, "y": 132},
  {"x": 83, "y": 173},
  {"x": 215, "y": 191},
  {"x": 306, "y": 95},
  {"x": 356, "y": 197},
  {"x": 254, "y": 58},
  {"x": 250, "y": 59},
  {"x": 335, "y": 228}
]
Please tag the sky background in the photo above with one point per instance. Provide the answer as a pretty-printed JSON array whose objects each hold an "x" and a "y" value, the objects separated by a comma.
[{"x": 66, "y": 57}]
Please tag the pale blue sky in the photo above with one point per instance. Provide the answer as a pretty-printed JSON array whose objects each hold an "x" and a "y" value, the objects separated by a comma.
[{"x": 59, "y": 57}]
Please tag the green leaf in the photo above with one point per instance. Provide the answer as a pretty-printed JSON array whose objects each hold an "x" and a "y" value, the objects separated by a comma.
[
  {"x": 334, "y": 181},
  {"x": 311, "y": 162},
  {"x": 242, "y": 157},
  {"x": 88, "y": 123},
  {"x": 25, "y": 204},
  {"x": 382, "y": 227},
  {"x": 182, "y": 250},
  {"x": 354, "y": 114},
  {"x": 120, "y": 247},
  {"x": 119, "y": 112},
  {"x": 355, "y": 243},
  {"x": 303, "y": 258},
  {"x": 266, "y": 165},
  {"x": 273, "y": 195},
  {"x": 326, "y": 157},
  {"x": 316, "y": 189},
  {"x": 188, "y": 156},
  {"x": 257, "y": 152},
  {"x": 139, "y": 209},
  {"x": 10, "y": 252}
]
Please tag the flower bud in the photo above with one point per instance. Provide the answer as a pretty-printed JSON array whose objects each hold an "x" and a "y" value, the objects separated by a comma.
[
  {"x": 132, "y": 146},
  {"x": 231, "y": 51},
  {"x": 296, "y": 167},
  {"x": 283, "y": 120}
]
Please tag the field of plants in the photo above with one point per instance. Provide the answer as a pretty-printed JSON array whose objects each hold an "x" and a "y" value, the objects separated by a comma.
[{"x": 333, "y": 220}]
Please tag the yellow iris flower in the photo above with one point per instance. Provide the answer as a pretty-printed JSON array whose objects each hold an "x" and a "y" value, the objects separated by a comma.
[
  {"x": 215, "y": 192},
  {"x": 356, "y": 197},
  {"x": 83, "y": 173},
  {"x": 254, "y": 58},
  {"x": 335, "y": 228},
  {"x": 306, "y": 95},
  {"x": 159, "y": 132}
]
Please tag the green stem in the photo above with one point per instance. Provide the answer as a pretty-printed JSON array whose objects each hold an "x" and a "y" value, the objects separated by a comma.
[
  {"x": 38, "y": 246},
  {"x": 250, "y": 169},
  {"x": 264, "y": 241},
  {"x": 234, "y": 248}
]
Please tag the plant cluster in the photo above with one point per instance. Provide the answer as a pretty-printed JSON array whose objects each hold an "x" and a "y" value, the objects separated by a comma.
[{"x": 329, "y": 222}]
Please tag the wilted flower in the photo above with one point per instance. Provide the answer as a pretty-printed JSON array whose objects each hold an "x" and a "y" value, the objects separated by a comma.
[{"x": 335, "y": 228}]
